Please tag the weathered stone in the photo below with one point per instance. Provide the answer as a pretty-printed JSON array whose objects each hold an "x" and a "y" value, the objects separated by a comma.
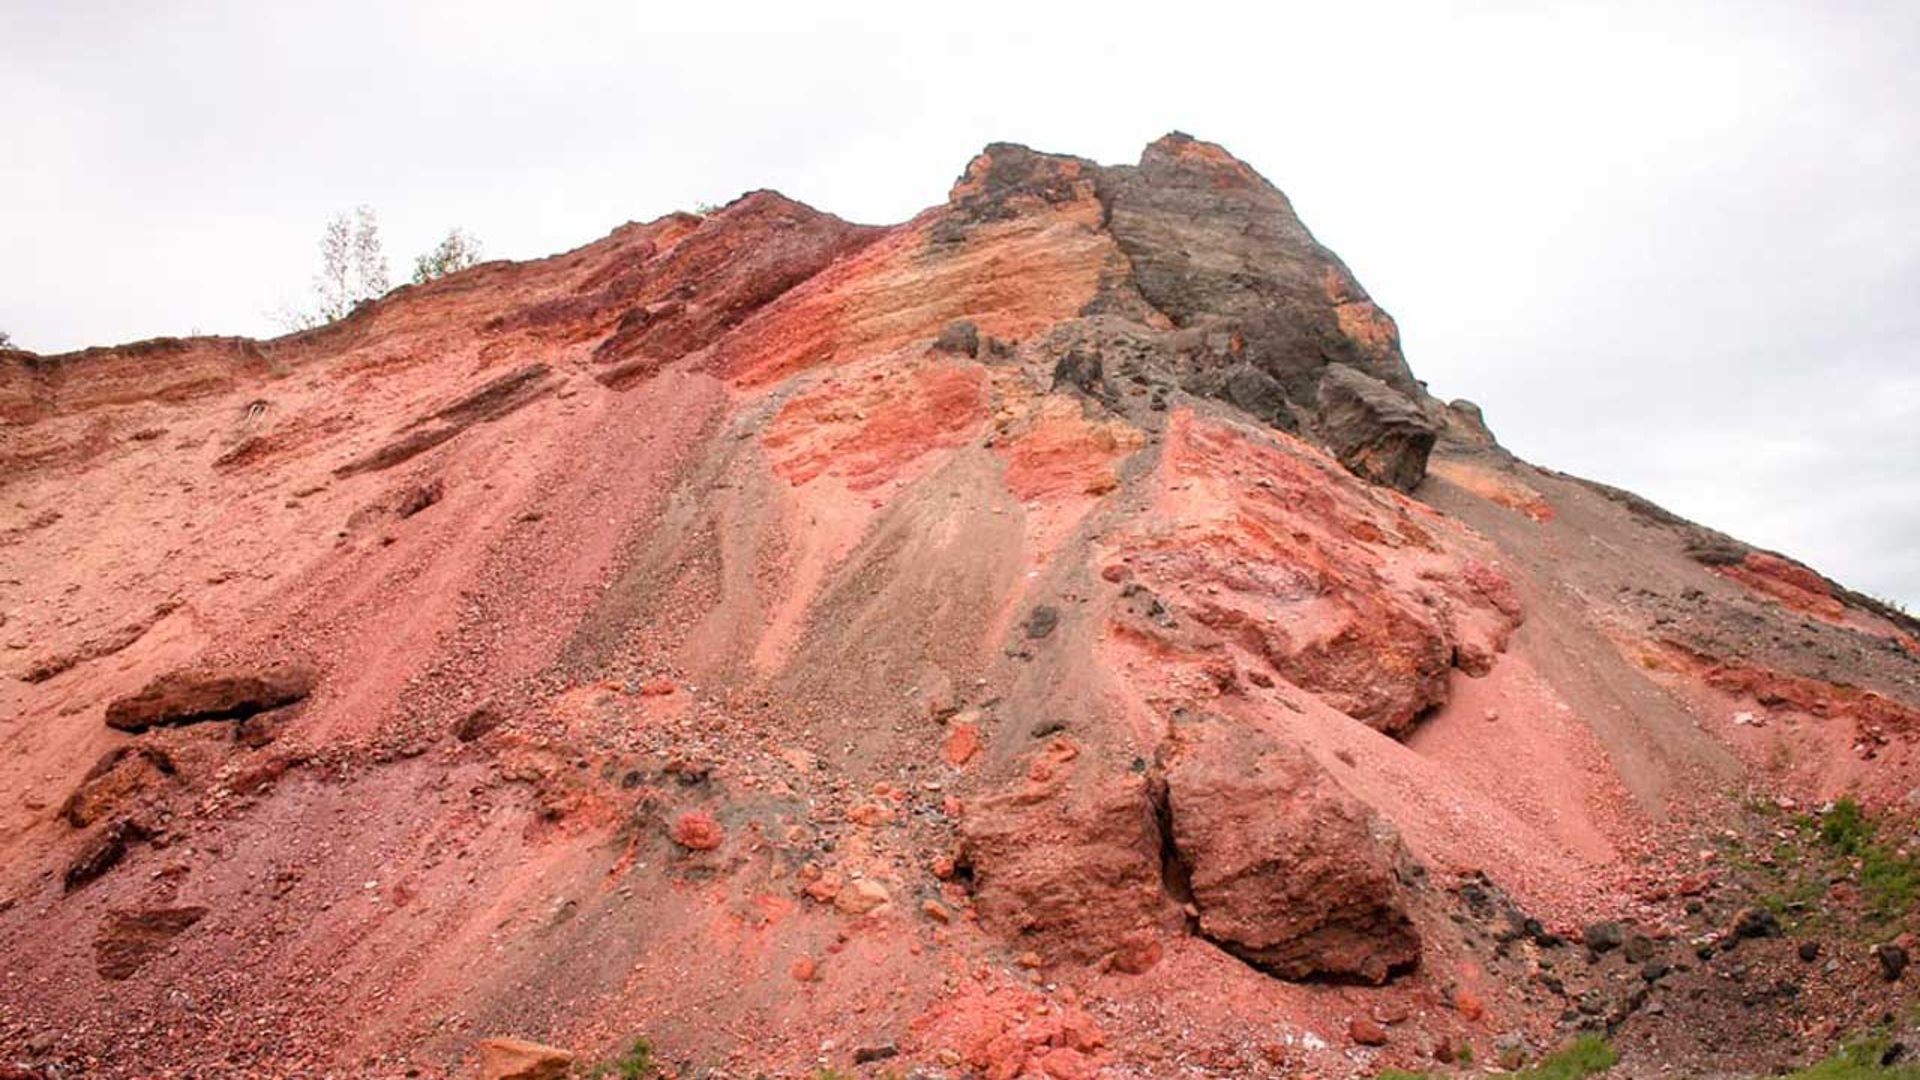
[
  {"x": 1603, "y": 936},
  {"x": 518, "y": 1059},
  {"x": 1258, "y": 393},
  {"x": 1756, "y": 923},
  {"x": 477, "y": 723},
  {"x": 127, "y": 940},
  {"x": 961, "y": 337},
  {"x": 1893, "y": 961},
  {"x": 196, "y": 695},
  {"x": 102, "y": 852},
  {"x": 1070, "y": 860},
  {"x": 1376, "y": 431},
  {"x": 1289, "y": 872}
]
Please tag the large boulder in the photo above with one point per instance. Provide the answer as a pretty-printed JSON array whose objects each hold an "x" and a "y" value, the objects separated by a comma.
[
  {"x": 1288, "y": 871},
  {"x": 1376, "y": 431},
  {"x": 221, "y": 693},
  {"x": 1069, "y": 861}
]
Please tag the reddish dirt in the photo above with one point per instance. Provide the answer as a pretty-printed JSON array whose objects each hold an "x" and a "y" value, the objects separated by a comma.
[{"x": 713, "y": 640}]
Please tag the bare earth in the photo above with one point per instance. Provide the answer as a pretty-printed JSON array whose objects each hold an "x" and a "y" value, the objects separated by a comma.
[{"x": 973, "y": 647}]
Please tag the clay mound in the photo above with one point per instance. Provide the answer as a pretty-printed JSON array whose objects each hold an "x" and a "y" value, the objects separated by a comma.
[{"x": 1053, "y": 636}]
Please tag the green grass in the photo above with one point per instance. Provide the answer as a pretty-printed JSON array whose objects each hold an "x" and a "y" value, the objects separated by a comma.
[
  {"x": 1859, "y": 1060},
  {"x": 1889, "y": 881},
  {"x": 636, "y": 1064},
  {"x": 1845, "y": 828},
  {"x": 1585, "y": 1056}
]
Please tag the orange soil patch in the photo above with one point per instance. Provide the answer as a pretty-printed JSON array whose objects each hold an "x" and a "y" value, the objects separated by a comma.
[
  {"x": 1788, "y": 582},
  {"x": 866, "y": 430},
  {"x": 1496, "y": 488},
  {"x": 1782, "y": 690},
  {"x": 1064, "y": 455},
  {"x": 1012, "y": 279}
]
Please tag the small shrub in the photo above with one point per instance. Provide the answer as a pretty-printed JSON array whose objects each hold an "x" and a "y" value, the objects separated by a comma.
[
  {"x": 636, "y": 1064},
  {"x": 1845, "y": 828}
]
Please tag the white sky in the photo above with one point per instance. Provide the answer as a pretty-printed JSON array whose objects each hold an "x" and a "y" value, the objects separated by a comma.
[{"x": 1673, "y": 246}]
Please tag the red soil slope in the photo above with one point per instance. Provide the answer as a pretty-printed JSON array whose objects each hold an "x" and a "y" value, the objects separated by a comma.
[{"x": 999, "y": 644}]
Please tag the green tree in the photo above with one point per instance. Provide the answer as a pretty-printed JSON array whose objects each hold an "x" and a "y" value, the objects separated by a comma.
[
  {"x": 353, "y": 267},
  {"x": 456, "y": 252}
]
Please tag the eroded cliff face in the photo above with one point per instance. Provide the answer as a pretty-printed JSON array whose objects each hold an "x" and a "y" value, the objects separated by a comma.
[{"x": 1054, "y": 636}]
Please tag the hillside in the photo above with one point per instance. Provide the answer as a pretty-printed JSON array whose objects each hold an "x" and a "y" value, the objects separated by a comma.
[{"x": 1056, "y": 636}]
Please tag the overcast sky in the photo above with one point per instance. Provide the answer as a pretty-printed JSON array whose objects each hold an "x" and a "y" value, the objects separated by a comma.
[{"x": 1673, "y": 246}]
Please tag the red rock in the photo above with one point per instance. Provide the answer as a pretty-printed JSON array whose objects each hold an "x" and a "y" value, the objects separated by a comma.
[
  {"x": 518, "y": 1059},
  {"x": 696, "y": 830},
  {"x": 196, "y": 695},
  {"x": 1136, "y": 954},
  {"x": 1289, "y": 872},
  {"x": 1288, "y": 574},
  {"x": 962, "y": 744},
  {"x": 1065, "y": 1063},
  {"x": 825, "y": 888},
  {"x": 804, "y": 969},
  {"x": 128, "y": 940},
  {"x": 1469, "y": 1005},
  {"x": 117, "y": 782},
  {"x": 657, "y": 686},
  {"x": 861, "y": 897},
  {"x": 1072, "y": 867},
  {"x": 1365, "y": 1032}
]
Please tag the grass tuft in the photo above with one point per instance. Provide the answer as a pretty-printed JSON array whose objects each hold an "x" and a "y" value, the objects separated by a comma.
[
  {"x": 636, "y": 1064},
  {"x": 1585, "y": 1056},
  {"x": 1859, "y": 1060}
]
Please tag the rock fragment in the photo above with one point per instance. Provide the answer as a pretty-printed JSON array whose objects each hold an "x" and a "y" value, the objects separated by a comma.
[
  {"x": 518, "y": 1059},
  {"x": 193, "y": 696}
]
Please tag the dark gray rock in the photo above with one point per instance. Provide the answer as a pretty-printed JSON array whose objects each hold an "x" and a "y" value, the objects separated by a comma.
[
  {"x": 959, "y": 337},
  {"x": 1756, "y": 923},
  {"x": 1603, "y": 936},
  {"x": 1259, "y": 393},
  {"x": 1376, "y": 431},
  {"x": 1893, "y": 961}
]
